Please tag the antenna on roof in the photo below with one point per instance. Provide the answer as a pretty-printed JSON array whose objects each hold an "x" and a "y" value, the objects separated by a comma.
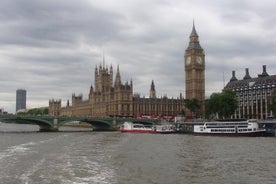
[
  {"x": 223, "y": 78},
  {"x": 103, "y": 59}
]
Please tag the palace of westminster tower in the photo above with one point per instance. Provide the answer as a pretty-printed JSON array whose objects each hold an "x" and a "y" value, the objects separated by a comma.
[
  {"x": 112, "y": 98},
  {"x": 195, "y": 70}
]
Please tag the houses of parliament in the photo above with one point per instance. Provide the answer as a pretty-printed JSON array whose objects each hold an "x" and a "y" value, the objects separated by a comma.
[{"x": 112, "y": 98}]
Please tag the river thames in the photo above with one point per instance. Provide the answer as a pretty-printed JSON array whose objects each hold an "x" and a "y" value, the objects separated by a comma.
[{"x": 84, "y": 156}]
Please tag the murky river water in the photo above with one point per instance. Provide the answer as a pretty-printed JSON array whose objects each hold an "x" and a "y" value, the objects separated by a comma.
[{"x": 27, "y": 156}]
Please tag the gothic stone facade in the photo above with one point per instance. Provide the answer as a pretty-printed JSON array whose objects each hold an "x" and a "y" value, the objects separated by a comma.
[
  {"x": 110, "y": 99},
  {"x": 157, "y": 106},
  {"x": 253, "y": 94},
  {"x": 107, "y": 99}
]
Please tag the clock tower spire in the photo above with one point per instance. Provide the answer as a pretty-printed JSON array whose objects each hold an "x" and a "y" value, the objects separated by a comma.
[{"x": 194, "y": 62}]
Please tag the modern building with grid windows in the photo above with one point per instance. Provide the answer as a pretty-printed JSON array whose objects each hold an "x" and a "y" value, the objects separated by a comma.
[
  {"x": 20, "y": 99},
  {"x": 253, "y": 94}
]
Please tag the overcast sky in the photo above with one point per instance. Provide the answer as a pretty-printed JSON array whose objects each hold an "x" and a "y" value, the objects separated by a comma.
[{"x": 51, "y": 47}]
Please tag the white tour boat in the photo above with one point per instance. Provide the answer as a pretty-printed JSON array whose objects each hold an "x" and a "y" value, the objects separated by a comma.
[
  {"x": 141, "y": 128},
  {"x": 233, "y": 128},
  {"x": 165, "y": 129}
]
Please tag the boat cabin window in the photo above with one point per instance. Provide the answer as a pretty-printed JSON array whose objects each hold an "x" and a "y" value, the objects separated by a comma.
[{"x": 138, "y": 126}]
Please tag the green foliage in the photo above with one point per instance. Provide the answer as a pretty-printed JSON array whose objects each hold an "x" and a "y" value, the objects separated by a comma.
[
  {"x": 192, "y": 104},
  {"x": 223, "y": 104},
  {"x": 35, "y": 111}
]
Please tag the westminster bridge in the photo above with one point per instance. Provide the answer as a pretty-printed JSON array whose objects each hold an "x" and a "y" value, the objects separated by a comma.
[{"x": 50, "y": 123}]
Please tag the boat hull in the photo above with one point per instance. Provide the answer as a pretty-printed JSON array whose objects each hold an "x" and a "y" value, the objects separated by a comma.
[
  {"x": 166, "y": 132},
  {"x": 148, "y": 131},
  {"x": 138, "y": 131},
  {"x": 247, "y": 134}
]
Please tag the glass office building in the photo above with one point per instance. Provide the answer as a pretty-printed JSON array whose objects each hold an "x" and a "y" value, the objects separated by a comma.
[{"x": 21, "y": 99}]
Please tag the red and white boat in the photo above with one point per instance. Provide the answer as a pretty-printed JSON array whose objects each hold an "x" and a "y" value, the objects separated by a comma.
[{"x": 140, "y": 128}]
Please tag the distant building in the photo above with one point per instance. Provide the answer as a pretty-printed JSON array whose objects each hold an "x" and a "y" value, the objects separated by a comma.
[
  {"x": 21, "y": 99},
  {"x": 253, "y": 94},
  {"x": 2, "y": 112}
]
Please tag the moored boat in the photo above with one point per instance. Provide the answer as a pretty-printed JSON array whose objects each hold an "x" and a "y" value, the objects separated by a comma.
[
  {"x": 140, "y": 128},
  {"x": 242, "y": 128},
  {"x": 165, "y": 129},
  {"x": 136, "y": 128}
]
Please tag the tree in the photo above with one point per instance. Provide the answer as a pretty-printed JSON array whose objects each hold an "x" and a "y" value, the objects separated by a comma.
[
  {"x": 35, "y": 111},
  {"x": 192, "y": 105},
  {"x": 45, "y": 111},
  {"x": 211, "y": 105},
  {"x": 222, "y": 104},
  {"x": 228, "y": 103}
]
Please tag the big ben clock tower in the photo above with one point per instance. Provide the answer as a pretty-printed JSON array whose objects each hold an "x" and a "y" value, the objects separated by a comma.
[{"x": 194, "y": 61}]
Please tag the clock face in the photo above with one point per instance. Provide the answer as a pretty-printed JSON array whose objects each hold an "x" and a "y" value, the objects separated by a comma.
[
  {"x": 188, "y": 60},
  {"x": 199, "y": 60}
]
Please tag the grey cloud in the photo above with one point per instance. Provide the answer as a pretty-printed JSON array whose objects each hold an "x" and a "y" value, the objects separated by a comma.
[
  {"x": 51, "y": 47},
  {"x": 50, "y": 23}
]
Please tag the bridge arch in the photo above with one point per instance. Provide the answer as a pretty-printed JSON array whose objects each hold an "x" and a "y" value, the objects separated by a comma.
[
  {"x": 49, "y": 123},
  {"x": 44, "y": 125},
  {"x": 97, "y": 124}
]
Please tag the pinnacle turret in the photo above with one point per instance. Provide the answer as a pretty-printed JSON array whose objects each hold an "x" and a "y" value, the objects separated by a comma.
[
  {"x": 247, "y": 76},
  {"x": 118, "y": 77},
  {"x": 152, "y": 87},
  {"x": 194, "y": 33},
  {"x": 152, "y": 90},
  {"x": 233, "y": 78},
  {"x": 194, "y": 43}
]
